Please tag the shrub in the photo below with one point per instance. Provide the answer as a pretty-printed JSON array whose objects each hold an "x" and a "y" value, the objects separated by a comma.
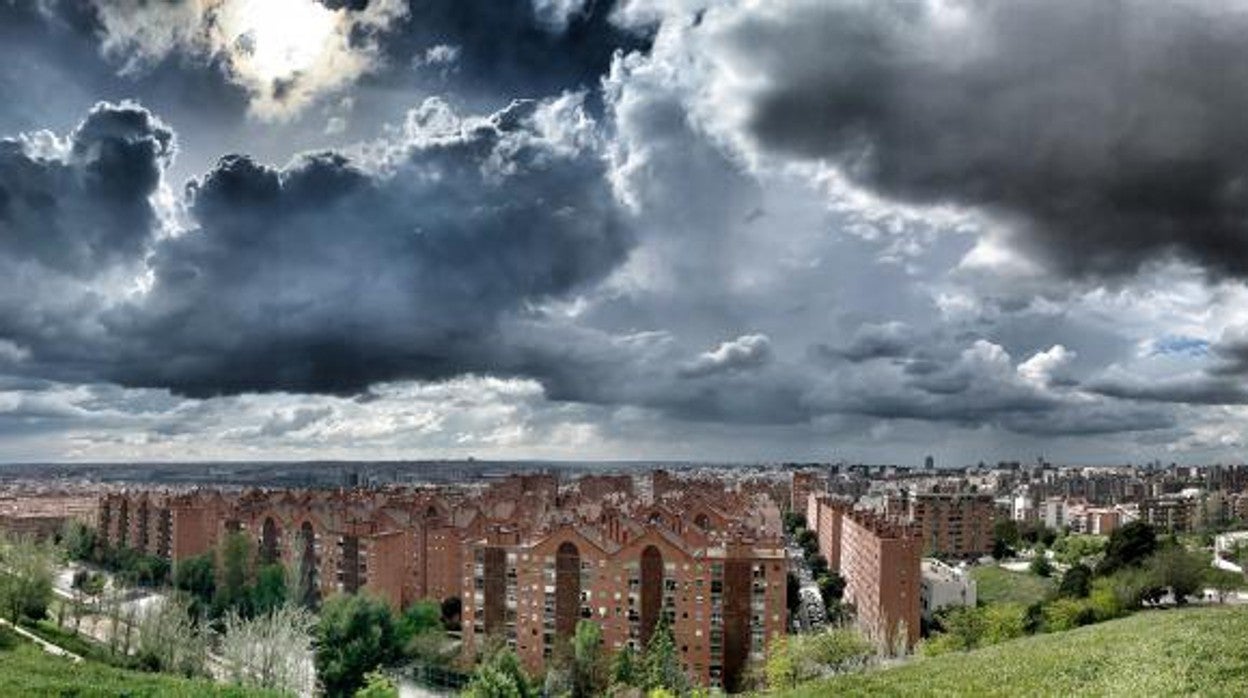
[
  {"x": 1064, "y": 614},
  {"x": 1002, "y": 622}
]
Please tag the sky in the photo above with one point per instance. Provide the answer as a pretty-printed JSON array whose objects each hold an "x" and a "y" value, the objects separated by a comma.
[{"x": 738, "y": 230}]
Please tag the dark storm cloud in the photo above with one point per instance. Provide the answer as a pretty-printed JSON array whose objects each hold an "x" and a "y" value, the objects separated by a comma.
[
  {"x": 509, "y": 47},
  {"x": 1106, "y": 135},
  {"x": 1194, "y": 389},
  {"x": 332, "y": 274},
  {"x": 80, "y": 206},
  {"x": 328, "y": 277}
]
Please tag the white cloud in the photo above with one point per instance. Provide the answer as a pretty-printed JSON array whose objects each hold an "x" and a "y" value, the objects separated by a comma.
[{"x": 284, "y": 53}]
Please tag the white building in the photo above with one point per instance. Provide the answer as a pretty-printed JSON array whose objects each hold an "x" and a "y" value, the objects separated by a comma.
[
  {"x": 1054, "y": 511},
  {"x": 942, "y": 585}
]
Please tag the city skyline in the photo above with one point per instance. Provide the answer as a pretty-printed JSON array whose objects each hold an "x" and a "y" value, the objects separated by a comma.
[{"x": 705, "y": 231}]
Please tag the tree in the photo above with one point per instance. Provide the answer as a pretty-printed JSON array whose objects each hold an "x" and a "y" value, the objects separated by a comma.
[
  {"x": 781, "y": 668},
  {"x": 197, "y": 577},
  {"x": 1128, "y": 546},
  {"x": 452, "y": 612},
  {"x": 1064, "y": 614},
  {"x": 1073, "y": 550},
  {"x": 624, "y": 667},
  {"x": 794, "y": 521},
  {"x": 1001, "y": 622},
  {"x": 377, "y": 685},
  {"x": 269, "y": 592},
  {"x": 792, "y": 660},
  {"x": 1175, "y": 568},
  {"x": 26, "y": 581},
  {"x": 1077, "y": 582},
  {"x": 500, "y": 676},
  {"x": 1005, "y": 531},
  {"x": 836, "y": 650},
  {"x": 818, "y": 565},
  {"x": 963, "y": 626},
  {"x": 1041, "y": 565},
  {"x": 78, "y": 539},
  {"x": 421, "y": 617},
  {"x": 270, "y": 651},
  {"x": 1001, "y": 550},
  {"x": 660, "y": 666},
  {"x": 588, "y": 666},
  {"x": 832, "y": 587},
  {"x": 1103, "y": 600},
  {"x": 168, "y": 639},
  {"x": 809, "y": 541},
  {"x": 234, "y": 564},
  {"x": 355, "y": 635}
]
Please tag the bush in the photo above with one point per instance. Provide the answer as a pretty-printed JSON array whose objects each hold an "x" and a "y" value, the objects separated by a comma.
[
  {"x": 1002, "y": 622},
  {"x": 1104, "y": 601},
  {"x": 1041, "y": 566},
  {"x": 941, "y": 643},
  {"x": 1065, "y": 614},
  {"x": 1077, "y": 582}
]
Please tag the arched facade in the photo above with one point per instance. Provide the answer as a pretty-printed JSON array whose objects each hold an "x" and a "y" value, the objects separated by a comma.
[
  {"x": 310, "y": 584},
  {"x": 651, "y": 591},
  {"x": 567, "y": 589},
  {"x": 270, "y": 541}
]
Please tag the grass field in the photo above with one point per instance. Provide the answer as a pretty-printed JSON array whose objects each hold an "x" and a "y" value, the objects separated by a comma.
[
  {"x": 999, "y": 585},
  {"x": 26, "y": 670},
  {"x": 1188, "y": 652}
]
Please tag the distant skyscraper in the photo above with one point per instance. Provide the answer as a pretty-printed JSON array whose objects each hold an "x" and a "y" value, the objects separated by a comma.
[{"x": 929, "y": 463}]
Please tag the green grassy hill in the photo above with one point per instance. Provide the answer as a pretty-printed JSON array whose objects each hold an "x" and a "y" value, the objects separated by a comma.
[
  {"x": 999, "y": 585},
  {"x": 25, "y": 670},
  {"x": 1189, "y": 652}
]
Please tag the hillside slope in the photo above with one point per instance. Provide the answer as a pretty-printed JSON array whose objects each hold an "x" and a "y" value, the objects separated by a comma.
[
  {"x": 28, "y": 671},
  {"x": 1156, "y": 653}
]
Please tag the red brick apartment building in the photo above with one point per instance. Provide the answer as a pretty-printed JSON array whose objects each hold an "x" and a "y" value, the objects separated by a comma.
[
  {"x": 527, "y": 558},
  {"x": 956, "y": 524},
  {"x": 806, "y": 483},
  {"x": 879, "y": 560}
]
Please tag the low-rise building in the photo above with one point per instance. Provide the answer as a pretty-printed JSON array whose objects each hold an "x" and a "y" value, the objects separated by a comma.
[{"x": 944, "y": 586}]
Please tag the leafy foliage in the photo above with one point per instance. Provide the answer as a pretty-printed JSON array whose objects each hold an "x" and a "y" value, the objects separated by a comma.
[
  {"x": 1128, "y": 546},
  {"x": 25, "y": 579},
  {"x": 500, "y": 676},
  {"x": 1077, "y": 582},
  {"x": 660, "y": 665},
  {"x": 355, "y": 635}
]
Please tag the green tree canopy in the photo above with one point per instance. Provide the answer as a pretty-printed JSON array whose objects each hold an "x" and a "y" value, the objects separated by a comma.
[
  {"x": 1077, "y": 582},
  {"x": 1128, "y": 546},
  {"x": 355, "y": 635}
]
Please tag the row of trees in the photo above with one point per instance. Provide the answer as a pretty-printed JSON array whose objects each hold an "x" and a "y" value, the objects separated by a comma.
[
  {"x": 831, "y": 584},
  {"x": 581, "y": 668},
  {"x": 233, "y": 608}
]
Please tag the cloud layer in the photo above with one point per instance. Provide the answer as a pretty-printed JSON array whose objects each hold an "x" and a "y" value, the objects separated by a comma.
[
  {"x": 1104, "y": 136},
  {"x": 694, "y": 229}
]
